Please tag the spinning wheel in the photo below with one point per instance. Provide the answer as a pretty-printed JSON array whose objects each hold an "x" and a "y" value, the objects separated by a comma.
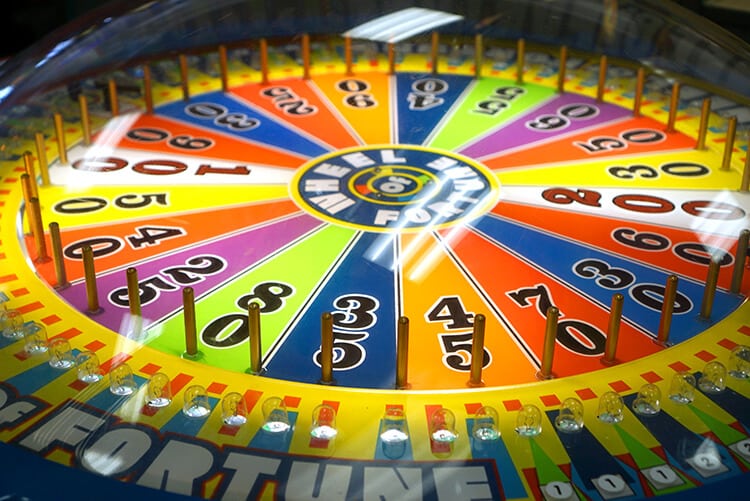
[{"x": 336, "y": 256}]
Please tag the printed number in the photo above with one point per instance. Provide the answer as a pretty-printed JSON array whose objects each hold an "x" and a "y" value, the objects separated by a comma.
[
  {"x": 152, "y": 167},
  {"x": 680, "y": 169},
  {"x": 221, "y": 116},
  {"x": 706, "y": 209},
  {"x": 100, "y": 246},
  {"x": 424, "y": 94},
  {"x": 182, "y": 141},
  {"x": 575, "y": 335},
  {"x": 353, "y": 314},
  {"x": 451, "y": 312},
  {"x": 231, "y": 329},
  {"x": 196, "y": 269},
  {"x": 152, "y": 235},
  {"x": 563, "y": 117},
  {"x": 456, "y": 346},
  {"x": 457, "y": 351},
  {"x": 84, "y": 205},
  {"x": 355, "y": 95},
  {"x": 689, "y": 251},
  {"x": 287, "y": 101},
  {"x": 498, "y": 101},
  {"x": 635, "y": 136},
  {"x": 603, "y": 274}
]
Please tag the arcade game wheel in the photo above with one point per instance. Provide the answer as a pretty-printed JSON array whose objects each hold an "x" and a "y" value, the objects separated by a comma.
[{"x": 365, "y": 250}]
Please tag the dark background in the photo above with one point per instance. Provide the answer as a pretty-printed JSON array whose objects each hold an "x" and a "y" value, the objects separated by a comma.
[{"x": 25, "y": 21}]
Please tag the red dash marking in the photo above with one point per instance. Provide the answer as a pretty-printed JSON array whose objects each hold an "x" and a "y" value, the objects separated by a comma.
[
  {"x": 472, "y": 408},
  {"x": 148, "y": 410},
  {"x": 150, "y": 369},
  {"x": 4, "y": 192},
  {"x": 2, "y": 254},
  {"x": 22, "y": 355},
  {"x": 251, "y": 398},
  {"x": 389, "y": 407},
  {"x": 679, "y": 367},
  {"x": 165, "y": 93},
  {"x": 228, "y": 430},
  {"x": 216, "y": 388},
  {"x": 291, "y": 402},
  {"x": 619, "y": 98},
  {"x": 95, "y": 345},
  {"x": 78, "y": 385},
  {"x": 550, "y": 400},
  {"x": 331, "y": 403},
  {"x": 658, "y": 112},
  {"x": 619, "y": 386},
  {"x": 8, "y": 278},
  {"x": 27, "y": 308},
  {"x": 20, "y": 292},
  {"x": 586, "y": 394},
  {"x": 118, "y": 359},
  {"x": 19, "y": 169},
  {"x": 68, "y": 334},
  {"x": 204, "y": 84},
  {"x": 745, "y": 329},
  {"x": 319, "y": 443},
  {"x": 52, "y": 319},
  {"x": 705, "y": 356},
  {"x": 179, "y": 382},
  {"x": 512, "y": 405},
  {"x": 652, "y": 377},
  {"x": 728, "y": 344}
]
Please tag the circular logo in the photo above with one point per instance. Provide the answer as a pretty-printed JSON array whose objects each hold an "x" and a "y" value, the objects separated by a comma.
[{"x": 394, "y": 188}]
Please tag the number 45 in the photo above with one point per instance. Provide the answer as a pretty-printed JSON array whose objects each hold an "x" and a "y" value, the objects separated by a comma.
[{"x": 456, "y": 346}]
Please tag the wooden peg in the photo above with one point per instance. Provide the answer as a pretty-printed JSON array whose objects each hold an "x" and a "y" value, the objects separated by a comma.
[
  {"x": 263, "y": 61},
  {"x": 674, "y": 106},
  {"x": 114, "y": 102},
  {"x": 253, "y": 324},
  {"x": 41, "y": 154},
  {"x": 391, "y": 58},
  {"x": 62, "y": 148},
  {"x": 477, "y": 352},
  {"x": 134, "y": 292},
  {"x": 191, "y": 331},
  {"x": 57, "y": 254},
  {"x": 709, "y": 291},
  {"x": 740, "y": 260},
  {"x": 348, "y": 59},
  {"x": 37, "y": 230},
  {"x": 667, "y": 308},
  {"x": 613, "y": 330},
  {"x": 745, "y": 182},
  {"x": 89, "y": 272},
  {"x": 223, "y": 68},
  {"x": 726, "y": 162},
  {"x": 402, "y": 353},
  {"x": 326, "y": 348},
  {"x": 83, "y": 105},
  {"x": 562, "y": 69},
  {"x": 520, "y": 60},
  {"x": 700, "y": 144},
  {"x": 184, "y": 77},
  {"x": 478, "y": 56},
  {"x": 306, "y": 56},
  {"x": 550, "y": 336},
  {"x": 435, "y": 51},
  {"x": 148, "y": 93},
  {"x": 28, "y": 165},
  {"x": 602, "y": 83},
  {"x": 640, "y": 80}
]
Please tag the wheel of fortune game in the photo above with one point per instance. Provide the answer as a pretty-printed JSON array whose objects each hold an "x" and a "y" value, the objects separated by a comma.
[{"x": 366, "y": 250}]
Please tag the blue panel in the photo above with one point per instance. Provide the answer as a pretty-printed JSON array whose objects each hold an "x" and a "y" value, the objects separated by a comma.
[
  {"x": 496, "y": 450},
  {"x": 423, "y": 100},
  {"x": 180, "y": 423},
  {"x": 365, "y": 280},
  {"x": 559, "y": 257},
  {"x": 220, "y": 112},
  {"x": 278, "y": 442},
  {"x": 683, "y": 444}
]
